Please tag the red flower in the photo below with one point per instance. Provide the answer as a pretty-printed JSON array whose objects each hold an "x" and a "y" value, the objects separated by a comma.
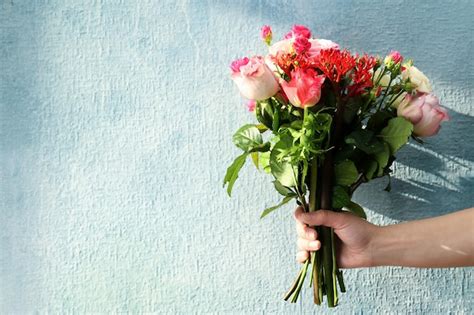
[
  {"x": 335, "y": 63},
  {"x": 362, "y": 76}
]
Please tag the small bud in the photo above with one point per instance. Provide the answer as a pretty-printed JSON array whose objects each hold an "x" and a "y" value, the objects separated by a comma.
[{"x": 266, "y": 34}]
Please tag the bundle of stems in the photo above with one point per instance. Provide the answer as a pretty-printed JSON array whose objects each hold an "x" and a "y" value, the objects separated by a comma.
[{"x": 325, "y": 274}]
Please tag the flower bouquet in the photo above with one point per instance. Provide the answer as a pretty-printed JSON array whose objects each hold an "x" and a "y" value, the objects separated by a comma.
[{"x": 328, "y": 121}]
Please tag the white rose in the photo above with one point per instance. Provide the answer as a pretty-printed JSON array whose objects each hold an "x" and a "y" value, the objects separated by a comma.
[{"x": 417, "y": 78}]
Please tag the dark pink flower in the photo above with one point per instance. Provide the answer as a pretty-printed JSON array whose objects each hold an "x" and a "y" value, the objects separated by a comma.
[
  {"x": 299, "y": 30},
  {"x": 301, "y": 45}
]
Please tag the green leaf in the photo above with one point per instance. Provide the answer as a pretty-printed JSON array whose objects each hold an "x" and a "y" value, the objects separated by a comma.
[
  {"x": 370, "y": 167},
  {"x": 366, "y": 141},
  {"x": 283, "y": 190},
  {"x": 264, "y": 147},
  {"x": 247, "y": 138},
  {"x": 254, "y": 156},
  {"x": 271, "y": 209},
  {"x": 280, "y": 164},
  {"x": 396, "y": 133},
  {"x": 261, "y": 127},
  {"x": 276, "y": 120},
  {"x": 340, "y": 197},
  {"x": 356, "y": 209},
  {"x": 233, "y": 172},
  {"x": 378, "y": 120},
  {"x": 264, "y": 112},
  {"x": 346, "y": 173},
  {"x": 382, "y": 159},
  {"x": 264, "y": 161}
]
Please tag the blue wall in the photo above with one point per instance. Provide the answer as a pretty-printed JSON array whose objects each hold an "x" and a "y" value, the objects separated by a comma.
[{"x": 115, "y": 126}]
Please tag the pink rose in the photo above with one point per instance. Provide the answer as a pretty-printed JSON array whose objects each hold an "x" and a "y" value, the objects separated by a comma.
[
  {"x": 299, "y": 30},
  {"x": 266, "y": 34},
  {"x": 301, "y": 45},
  {"x": 253, "y": 78},
  {"x": 395, "y": 56},
  {"x": 304, "y": 88},
  {"x": 424, "y": 111}
]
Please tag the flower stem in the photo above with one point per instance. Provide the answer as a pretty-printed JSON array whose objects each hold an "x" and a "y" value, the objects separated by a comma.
[{"x": 313, "y": 206}]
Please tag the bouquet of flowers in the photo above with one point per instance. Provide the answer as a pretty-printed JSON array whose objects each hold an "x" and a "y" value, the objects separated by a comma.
[{"x": 328, "y": 121}]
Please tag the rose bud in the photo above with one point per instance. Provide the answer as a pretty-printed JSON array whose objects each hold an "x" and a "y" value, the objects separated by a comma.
[
  {"x": 266, "y": 34},
  {"x": 393, "y": 58},
  {"x": 304, "y": 88},
  {"x": 253, "y": 78},
  {"x": 424, "y": 111}
]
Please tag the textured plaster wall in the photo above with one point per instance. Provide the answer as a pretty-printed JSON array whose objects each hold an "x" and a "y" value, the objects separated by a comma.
[{"x": 115, "y": 126}]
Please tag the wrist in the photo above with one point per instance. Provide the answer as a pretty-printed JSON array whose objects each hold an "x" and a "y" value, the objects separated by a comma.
[{"x": 381, "y": 246}]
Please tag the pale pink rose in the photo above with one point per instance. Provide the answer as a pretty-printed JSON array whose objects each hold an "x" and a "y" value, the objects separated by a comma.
[
  {"x": 253, "y": 78},
  {"x": 251, "y": 104},
  {"x": 319, "y": 44},
  {"x": 284, "y": 46},
  {"x": 424, "y": 111},
  {"x": 301, "y": 45},
  {"x": 304, "y": 88},
  {"x": 266, "y": 34}
]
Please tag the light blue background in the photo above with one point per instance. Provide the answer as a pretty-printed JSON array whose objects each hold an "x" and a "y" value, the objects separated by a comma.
[{"x": 115, "y": 127}]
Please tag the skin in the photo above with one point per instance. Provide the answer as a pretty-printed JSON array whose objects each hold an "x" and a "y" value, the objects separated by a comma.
[{"x": 444, "y": 241}]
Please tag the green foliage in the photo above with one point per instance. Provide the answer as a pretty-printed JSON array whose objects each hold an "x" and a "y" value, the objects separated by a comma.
[
  {"x": 396, "y": 133},
  {"x": 382, "y": 159},
  {"x": 233, "y": 172},
  {"x": 340, "y": 197},
  {"x": 264, "y": 111},
  {"x": 254, "y": 156},
  {"x": 356, "y": 209},
  {"x": 365, "y": 140},
  {"x": 271, "y": 209},
  {"x": 282, "y": 190},
  {"x": 247, "y": 138},
  {"x": 369, "y": 168},
  {"x": 379, "y": 120},
  {"x": 281, "y": 165},
  {"x": 346, "y": 173},
  {"x": 264, "y": 161}
]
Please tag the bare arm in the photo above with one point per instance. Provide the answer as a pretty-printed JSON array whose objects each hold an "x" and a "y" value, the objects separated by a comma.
[{"x": 444, "y": 241}]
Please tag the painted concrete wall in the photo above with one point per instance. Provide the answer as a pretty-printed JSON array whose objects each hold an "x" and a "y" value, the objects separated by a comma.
[{"x": 115, "y": 126}]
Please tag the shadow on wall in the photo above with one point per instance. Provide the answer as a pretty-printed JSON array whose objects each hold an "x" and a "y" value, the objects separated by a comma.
[{"x": 431, "y": 179}]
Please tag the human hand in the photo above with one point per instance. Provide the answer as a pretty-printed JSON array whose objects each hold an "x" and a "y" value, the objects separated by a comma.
[{"x": 355, "y": 236}]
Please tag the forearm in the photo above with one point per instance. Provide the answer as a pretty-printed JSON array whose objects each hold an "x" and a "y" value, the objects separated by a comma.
[{"x": 445, "y": 241}]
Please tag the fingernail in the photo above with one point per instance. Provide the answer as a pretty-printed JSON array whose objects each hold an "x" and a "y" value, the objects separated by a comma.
[{"x": 314, "y": 244}]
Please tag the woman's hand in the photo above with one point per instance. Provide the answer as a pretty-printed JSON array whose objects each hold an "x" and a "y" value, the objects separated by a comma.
[
  {"x": 445, "y": 241},
  {"x": 354, "y": 236}
]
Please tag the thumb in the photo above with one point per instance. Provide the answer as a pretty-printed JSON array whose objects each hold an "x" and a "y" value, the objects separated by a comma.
[{"x": 328, "y": 218}]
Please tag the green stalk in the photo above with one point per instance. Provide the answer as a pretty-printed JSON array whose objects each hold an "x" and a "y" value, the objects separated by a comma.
[{"x": 315, "y": 261}]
